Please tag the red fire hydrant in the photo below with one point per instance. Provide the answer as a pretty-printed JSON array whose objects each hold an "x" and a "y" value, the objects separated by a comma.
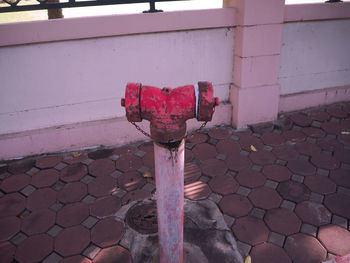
[{"x": 168, "y": 110}]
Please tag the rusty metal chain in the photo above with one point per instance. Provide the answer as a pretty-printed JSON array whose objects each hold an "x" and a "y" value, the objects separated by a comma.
[{"x": 142, "y": 131}]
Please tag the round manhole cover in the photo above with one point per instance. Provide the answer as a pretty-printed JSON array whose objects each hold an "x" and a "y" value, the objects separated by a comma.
[{"x": 143, "y": 218}]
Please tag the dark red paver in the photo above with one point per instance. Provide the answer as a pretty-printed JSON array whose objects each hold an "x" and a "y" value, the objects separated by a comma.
[
  {"x": 45, "y": 178},
  {"x": 247, "y": 140},
  {"x": 301, "y": 119},
  {"x": 223, "y": 185},
  {"x": 72, "y": 240},
  {"x": 325, "y": 161},
  {"x": 320, "y": 184},
  {"x": 125, "y": 150},
  {"x": 269, "y": 253},
  {"x": 294, "y": 136},
  {"x": 197, "y": 190},
  {"x": 138, "y": 194},
  {"x": 204, "y": 151},
  {"x": 148, "y": 160},
  {"x": 250, "y": 178},
  {"x": 15, "y": 183},
  {"x": 285, "y": 152},
  {"x": 113, "y": 254},
  {"x": 264, "y": 197},
  {"x": 336, "y": 239},
  {"x": 198, "y": 138},
  {"x": 329, "y": 144},
  {"x": 277, "y": 173},
  {"x": 38, "y": 222},
  {"x": 313, "y": 132},
  {"x": 336, "y": 111},
  {"x": 12, "y": 205},
  {"x": 331, "y": 128},
  {"x": 105, "y": 206},
  {"x": 238, "y": 162},
  {"x": 107, "y": 232},
  {"x": 128, "y": 163},
  {"x": 21, "y": 166},
  {"x": 213, "y": 167},
  {"x": 102, "y": 167},
  {"x": 7, "y": 252},
  {"x": 48, "y": 161},
  {"x": 272, "y": 139},
  {"x": 219, "y": 133},
  {"x": 73, "y": 172},
  {"x": 262, "y": 157},
  {"x": 9, "y": 226},
  {"x": 250, "y": 230},
  {"x": 341, "y": 177},
  {"x": 228, "y": 147},
  {"x": 293, "y": 191},
  {"x": 307, "y": 148},
  {"x": 75, "y": 259},
  {"x": 102, "y": 185},
  {"x": 313, "y": 213},
  {"x": 100, "y": 154},
  {"x": 282, "y": 221},
  {"x": 235, "y": 205},
  {"x": 34, "y": 248},
  {"x": 342, "y": 155},
  {"x": 72, "y": 192},
  {"x": 301, "y": 167},
  {"x": 72, "y": 214},
  {"x": 319, "y": 115},
  {"x": 192, "y": 172},
  {"x": 338, "y": 204},
  {"x": 131, "y": 181},
  {"x": 41, "y": 199},
  {"x": 305, "y": 249}
]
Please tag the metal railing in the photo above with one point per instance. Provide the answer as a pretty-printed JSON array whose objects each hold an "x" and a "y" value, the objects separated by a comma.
[{"x": 14, "y": 6}]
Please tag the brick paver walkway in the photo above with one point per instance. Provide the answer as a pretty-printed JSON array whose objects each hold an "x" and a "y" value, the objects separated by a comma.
[{"x": 284, "y": 189}]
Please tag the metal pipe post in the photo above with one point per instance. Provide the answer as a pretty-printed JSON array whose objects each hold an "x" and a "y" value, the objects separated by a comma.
[{"x": 169, "y": 170}]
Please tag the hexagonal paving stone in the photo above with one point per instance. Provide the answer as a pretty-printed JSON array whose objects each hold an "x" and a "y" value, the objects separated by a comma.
[
  {"x": 48, "y": 161},
  {"x": 294, "y": 136},
  {"x": 125, "y": 150},
  {"x": 197, "y": 191},
  {"x": 250, "y": 230},
  {"x": 335, "y": 238},
  {"x": 325, "y": 161},
  {"x": 41, "y": 199},
  {"x": 100, "y": 154},
  {"x": 148, "y": 160},
  {"x": 131, "y": 181},
  {"x": 265, "y": 198},
  {"x": 313, "y": 132},
  {"x": 198, "y": 138},
  {"x": 102, "y": 167},
  {"x": 38, "y": 222},
  {"x": 238, "y": 162},
  {"x": 268, "y": 253},
  {"x": 72, "y": 192},
  {"x": 21, "y": 166},
  {"x": 107, "y": 232},
  {"x": 74, "y": 157},
  {"x": 73, "y": 172},
  {"x": 204, "y": 151},
  {"x": 101, "y": 186},
  {"x": 319, "y": 115},
  {"x": 293, "y": 191},
  {"x": 72, "y": 214},
  {"x": 329, "y": 144},
  {"x": 307, "y": 148},
  {"x": 250, "y": 178},
  {"x": 15, "y": 183},
  {"x": 7, "y": 252},
  {"x": 105, "y": 206},
  {"x": 282, "y": 221},
  {"x": 235, "y": 205},
  {"x": 219, "y": 133},
  {"x": 72, "y": 240},
  {"x": 113, "y": 254},
  {"x": 247, "y": 140},
  {"x": 45, "y": 178},
  {"x": 128, "y": 163},
  {"x": 262, "y": 157},
  {"x": 34, "y": 248},
  {"x": 344, "y": 139},
  {"x": 75, "y": 259},
  {"x": 138, "y": 194},
  {"x": 223, "y": 185},
  {"x": 228, "y": 147},
  {"x": 305, "y": 249},
  {"x": 338, "y": 204},
  {"x": 342, "y": 155},
  {"x": 341, "y": 177},
  {"x": 336, "y": 111},
  {"x": 313, "y": 213},
  {"x": 276, "y": 172},
  {"x": 331, "y": 128},
  {"x": 192, "y": 172},
  {"x": 213, "y": 167},
  {"x": 285, "y": 152},
  {"x": 301, "y": 167},
  {"x": 320, "y": 184},
  {"x": 12, "y": 205},
  {"x": 9, "y": 226},
  {"x": 301, "y": 119},
  {"x": 272, "y": 139}
]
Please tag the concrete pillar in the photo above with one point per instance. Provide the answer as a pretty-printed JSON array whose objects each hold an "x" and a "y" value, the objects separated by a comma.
[{"x": 255, "y": 92}]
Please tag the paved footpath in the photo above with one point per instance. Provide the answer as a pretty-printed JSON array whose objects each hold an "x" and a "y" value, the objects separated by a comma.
[{"x": 284, "y": 189}]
